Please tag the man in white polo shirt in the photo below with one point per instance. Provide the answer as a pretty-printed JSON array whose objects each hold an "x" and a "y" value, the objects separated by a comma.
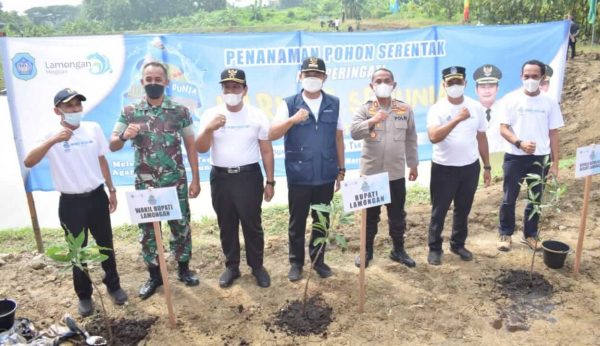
[
  {"x": 530, "y": 125},
  {"x": 75, "y": 151},
  {"x": 456, "y": 127},
  {"x": 237, "y": 136}
]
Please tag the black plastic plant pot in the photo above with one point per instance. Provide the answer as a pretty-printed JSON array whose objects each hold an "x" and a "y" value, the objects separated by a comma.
[
  {"x": 8, "y": 307},
  {"x": 555, "y": 253}
]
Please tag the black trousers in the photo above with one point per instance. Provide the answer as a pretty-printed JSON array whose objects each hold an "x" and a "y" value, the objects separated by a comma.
[
  {"x": 80, "y": 213},
  {"x": 300, "y": 198},
  {"x": 572, "y": 47},
  {"x": 237, "y": 197},
  {"x": 451, "y": 184},
  {"x": 396, "y": 216}
]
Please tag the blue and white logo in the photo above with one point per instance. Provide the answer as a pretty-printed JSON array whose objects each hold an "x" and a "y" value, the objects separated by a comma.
[
  {"x": 23, "y": 66},
  {"x": 100, "y": 64}
]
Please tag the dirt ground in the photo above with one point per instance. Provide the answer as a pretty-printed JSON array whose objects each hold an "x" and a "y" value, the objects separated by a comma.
[{"x": 456, "y": 303}]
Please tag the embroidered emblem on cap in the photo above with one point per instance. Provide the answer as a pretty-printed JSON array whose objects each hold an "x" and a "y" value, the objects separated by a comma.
[
  {"x": 453, "y": 70},
  {"x": 232, "y": 73},
  {"x": 487, "y": 70}
]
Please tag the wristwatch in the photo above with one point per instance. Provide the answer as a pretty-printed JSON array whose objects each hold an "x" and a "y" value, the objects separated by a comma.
[
  {"x": 487, "y": 168},
  {"x": 272, "y": 183},
  {"x": 518, "y": 143},
  {"x": 121, "y": 137},
  {"x": 112, "y": 189}
]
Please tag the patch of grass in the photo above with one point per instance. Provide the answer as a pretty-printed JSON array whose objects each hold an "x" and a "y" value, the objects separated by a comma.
[
  {"x": 127, "y": 232},
  {"x": 417, "y": 195},
  {"x": 275, "y": 219},
  {"x": 15, "y": 240},
  {"x": 566, "y": 163}
]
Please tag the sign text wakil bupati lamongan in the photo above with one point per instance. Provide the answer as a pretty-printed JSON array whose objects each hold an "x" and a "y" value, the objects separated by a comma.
[
  {"x": 160, "y": 204},
  {"x": 365, "y": 192},
  {"x": 587, "y": 161}
]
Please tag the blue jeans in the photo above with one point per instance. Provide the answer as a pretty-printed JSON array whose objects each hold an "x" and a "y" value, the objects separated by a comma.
[{"x": 516, "y": 168}]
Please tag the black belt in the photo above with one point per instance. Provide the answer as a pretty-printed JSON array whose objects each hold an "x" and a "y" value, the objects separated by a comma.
[
  {"x": 84, "y": 194},
  {"x": 233, "y": 170}
]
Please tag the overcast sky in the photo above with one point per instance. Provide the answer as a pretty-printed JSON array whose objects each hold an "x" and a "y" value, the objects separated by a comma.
[{"x": 22, "y": 5}]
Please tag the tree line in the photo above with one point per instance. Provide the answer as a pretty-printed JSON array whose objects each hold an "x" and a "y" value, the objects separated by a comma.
[{"x": 117, "y": 16}]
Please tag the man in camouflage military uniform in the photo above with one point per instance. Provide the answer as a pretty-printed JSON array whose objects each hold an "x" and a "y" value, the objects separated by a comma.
[
  {"x": 387, "y": 127},
  {"x": 156, "y": 127}
]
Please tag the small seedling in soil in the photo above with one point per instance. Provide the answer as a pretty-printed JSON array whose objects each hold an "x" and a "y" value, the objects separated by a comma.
[
  {"x": 74, "y": 254},
  {"x": 314, "y": 315},
  {"x": 550, "y": 199}
]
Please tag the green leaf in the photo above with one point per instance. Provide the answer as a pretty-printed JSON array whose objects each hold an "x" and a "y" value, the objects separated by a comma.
[
  {"x": 324, "y": 208},
  {"x": 320, "y": 240},
  {"x": 59, "y": 253},
  {"x": 341, "y": 241}
]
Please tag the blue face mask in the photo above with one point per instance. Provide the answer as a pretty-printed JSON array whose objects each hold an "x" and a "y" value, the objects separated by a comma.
[{"x": 72, "y": 119}]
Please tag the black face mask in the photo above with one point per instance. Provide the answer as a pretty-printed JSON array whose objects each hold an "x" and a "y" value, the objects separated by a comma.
[{"x": 154, "y": 91}]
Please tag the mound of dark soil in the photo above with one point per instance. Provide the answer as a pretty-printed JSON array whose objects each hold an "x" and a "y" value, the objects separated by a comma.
[
  {"x": 294, "y": 319},
  {"x": 525, "y": 299},
  {"x": 124, "y": 331}
]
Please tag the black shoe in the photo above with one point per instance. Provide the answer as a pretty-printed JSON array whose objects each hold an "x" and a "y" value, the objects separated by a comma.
[
  {"x": 229, "y": 276},
  {"x": 295, "y": 273},
  {"x": 86, "y": 307},
  {"x": 434, "y": 258},
  {"x": 149, "y": 287},
  {"x": 186, "y": 276},
  {"x": 464, "y": 254},
  {"x": 323, "y": 270},
  {"x": 369, "y": 257},
  {"x": 400, "y": 256},
  {"x": 262, "y": 277},
  {"x": 118, "y": 296}
]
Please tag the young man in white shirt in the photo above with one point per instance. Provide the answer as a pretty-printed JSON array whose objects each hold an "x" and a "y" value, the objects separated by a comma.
[
  {"x": 456, "y": 127},
  {"x": 530, "y": 126},
  {"x": 237, "y": 135},
  {"x": 79, "y": 170}
]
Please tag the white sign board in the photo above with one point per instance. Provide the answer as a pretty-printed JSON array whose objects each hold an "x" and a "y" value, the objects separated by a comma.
[
  {"x": 366, "y": 191},
  {"x": 152, "y": 205},
  {"x": 587, "y": 161}
]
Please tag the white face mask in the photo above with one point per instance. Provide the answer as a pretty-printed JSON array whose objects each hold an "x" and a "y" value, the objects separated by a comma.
[
  {"x": 383, "y": 90},
  {"x": 455, "y": 91},
  {"x": 531, "y": 85},
  {"x": 72, "y": 119},
  {"x": 312, "y": 84},
  {"x": 232, "y": 100}
]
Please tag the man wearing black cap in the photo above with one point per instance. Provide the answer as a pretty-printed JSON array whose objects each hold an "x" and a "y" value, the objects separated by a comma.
[
  {"x": 157, "y": 127},
  {"x": 237, "y": 135},
  {"x": 487, "y": 78},
  {"x": 79, "y": 170},
  {"x": 314, "y": 159},
  {"x": 456, "y": 127}
]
